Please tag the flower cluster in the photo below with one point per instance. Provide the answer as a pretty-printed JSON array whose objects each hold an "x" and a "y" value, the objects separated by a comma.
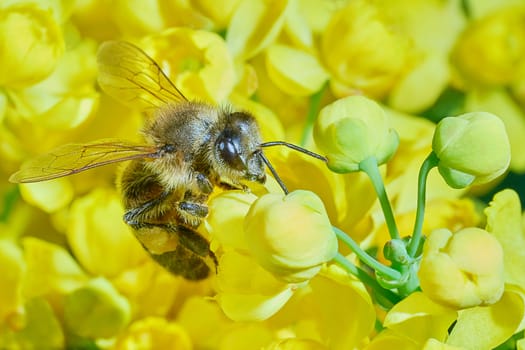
[{"x": 411, "y": 107}]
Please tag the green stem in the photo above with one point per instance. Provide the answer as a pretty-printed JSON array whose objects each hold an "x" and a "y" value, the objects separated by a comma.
[
  {"x": 315, "y": 101},
  {"x": 365, "y": 258},
  {"x": 370, "y": 167},
  {"x": 389, "y": 298},
  {"x": 11, "y": 196},
  {"x": 430, "y": 162}
]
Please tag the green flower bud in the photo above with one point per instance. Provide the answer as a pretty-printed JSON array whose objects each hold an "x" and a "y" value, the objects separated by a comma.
[
  {"x": 290, "y": 236},
  {"x": 353, "y": 129},
  {"x": 472, "y": 148},
  {"x": 96, "y": 310}
]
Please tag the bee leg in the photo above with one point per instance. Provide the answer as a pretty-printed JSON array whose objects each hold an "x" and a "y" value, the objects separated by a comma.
[
  {"x": 233, "y": 186},
  {"x": 131, "y": 216},
  {"x": 194, "y": 209},
  {"x": 179, "y": 249},
  {"x": 204, "y": 183}
]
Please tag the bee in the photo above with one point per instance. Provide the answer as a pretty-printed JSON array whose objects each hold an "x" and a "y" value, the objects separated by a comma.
[{"x": 190, "y": 148}]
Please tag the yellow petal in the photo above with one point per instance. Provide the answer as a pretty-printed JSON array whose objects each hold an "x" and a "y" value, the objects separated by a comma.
[
  {"x": 504, "y": 222},
  {"x": 419, "y": 318},
  {"x": 13, "y": 269},
  {"x": 31, "y": 44},
  {"x": 50, "y": 268},
  {"x": 254, "y": 25},
  {"x": 91, "y": 219},
  {"x": 154, "y": 333},
  {"x": 41, "y": 329},
  {"x": 294, "y": 71},
  {"x": 50, "y": 196},
  {"x": 248, "y": 292},
  {"x": 489, "y": 326},
  {"x": 96, "y": 310}
]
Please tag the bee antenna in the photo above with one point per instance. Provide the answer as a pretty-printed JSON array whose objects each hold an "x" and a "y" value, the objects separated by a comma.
[
  {"x": 289, "y": 145},
  {"x": 295, "y": 148},
  {"x": 274, "y": 173}
]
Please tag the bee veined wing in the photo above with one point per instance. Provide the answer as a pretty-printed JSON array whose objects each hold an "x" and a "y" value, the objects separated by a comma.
[
  {"x": 129, "y": 75},
  {"x": 73, "y": 158}
]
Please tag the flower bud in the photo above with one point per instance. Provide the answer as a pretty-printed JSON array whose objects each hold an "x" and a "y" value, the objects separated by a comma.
[
  {"x": 290, "y": 236},
  {"x": 462, "y": 270},
  {"x": 472, "y": 148},
  {"x": 96, "y": 310},
  {"x": 351, "y": 130},
  {"x": 31, "y": 44}
]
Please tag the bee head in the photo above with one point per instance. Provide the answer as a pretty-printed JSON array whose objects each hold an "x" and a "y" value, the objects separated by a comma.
[{"x": 238, "y": 148}]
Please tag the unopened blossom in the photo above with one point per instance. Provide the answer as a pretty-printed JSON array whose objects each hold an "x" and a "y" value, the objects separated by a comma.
[
  {"x": 353, "y": 129},
  {"x": 290, "y": 236},
  {"x": 472, "y": 148},
  {"x": 463, "y": 269}
]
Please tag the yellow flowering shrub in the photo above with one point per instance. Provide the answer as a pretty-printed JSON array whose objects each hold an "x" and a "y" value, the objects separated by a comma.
[{"x": 367, "y": 235}]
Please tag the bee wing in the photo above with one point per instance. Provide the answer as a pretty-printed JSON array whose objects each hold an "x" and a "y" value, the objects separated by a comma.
[
  {"x": 74, "y": 158},
  {"x": 129, "y": 75}
]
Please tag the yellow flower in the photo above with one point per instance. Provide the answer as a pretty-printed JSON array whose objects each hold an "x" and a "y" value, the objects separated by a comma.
[
  {"x": 351, "y": 130},
  {"x": 13, "y": 269},
  {"x": 427, "y": 73},
  {"x": 50, "y": 269},
  {"x": 219, "y": 13},
  {"x": 41, "y": 329},
  {"x": 290, "y": 235},
  {"x": 486, "y": 327},
  {"x": 49, "y": 196},
  {"x": 504, "y": 221},
  {"x": 361, "y": 50},
  {"x": 493, "y": 47},
  {"x": 31, "y": 44},
  {"x": 419, "y": 319},
  {"x": 472, "y": 148},
  {"x": 462, "y": 270},
  {"x": 90, "y": 219},
  {"x": 296, "y": 72},
  {"x": 197, "y": 61},
  {"x": 246, "y": 291},
  {"x": 154, "y": 333},
  {"x": 67, "y": 97},
  {"x": 96, "y": 310},
  {"x": 226, "y": 225},
  {"x": 296, "y": 344}
]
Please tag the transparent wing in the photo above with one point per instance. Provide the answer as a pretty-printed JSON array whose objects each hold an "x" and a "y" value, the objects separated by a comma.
[
  {"x": 74, "y": 158},
  {"x": 129, "y": 75}
]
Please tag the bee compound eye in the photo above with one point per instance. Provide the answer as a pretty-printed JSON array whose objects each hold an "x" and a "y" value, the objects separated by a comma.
[{"x": 229, "y": 152}]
